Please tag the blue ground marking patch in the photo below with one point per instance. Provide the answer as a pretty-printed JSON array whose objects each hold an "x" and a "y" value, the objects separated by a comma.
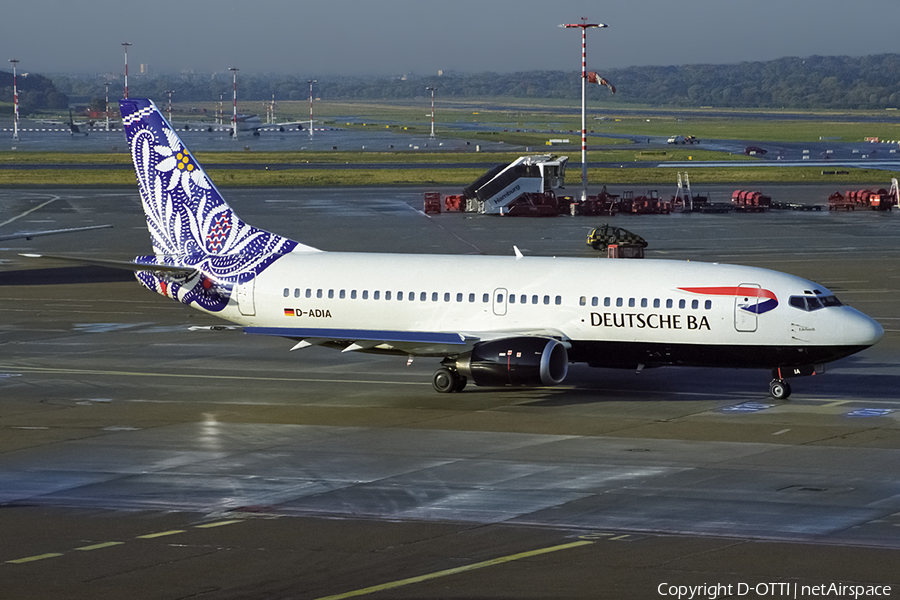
[
  {"x": 869, "y": 412},
  {"x": 746, "y": 407}
]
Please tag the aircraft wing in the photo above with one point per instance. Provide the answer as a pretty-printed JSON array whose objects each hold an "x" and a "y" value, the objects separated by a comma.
[
  {"x": 290, "y": 124},
  {"x": 27, "y": 235},
  {"x": 200, "y": 126},
  {"x": 414, "y": 343}
]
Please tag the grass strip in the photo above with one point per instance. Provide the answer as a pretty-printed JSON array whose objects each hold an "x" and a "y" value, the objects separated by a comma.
[{"x": 446, "y": 177}]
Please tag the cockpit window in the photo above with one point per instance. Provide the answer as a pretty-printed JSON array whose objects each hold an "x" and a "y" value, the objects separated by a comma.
[{"x": 811, "y": 303}]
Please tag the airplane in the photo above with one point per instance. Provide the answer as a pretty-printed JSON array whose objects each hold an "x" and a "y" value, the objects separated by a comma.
[
  {"x": 250, "y": 123},
  {"x": 73, "y": 125},
  {"x": 495, "y": 320}
]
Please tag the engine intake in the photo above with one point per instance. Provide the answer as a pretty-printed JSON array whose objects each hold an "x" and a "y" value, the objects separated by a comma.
[{"x": 516, "y": 361}]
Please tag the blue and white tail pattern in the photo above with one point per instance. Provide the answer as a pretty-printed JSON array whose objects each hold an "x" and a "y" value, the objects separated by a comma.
[{"x": 190, "y": 223}]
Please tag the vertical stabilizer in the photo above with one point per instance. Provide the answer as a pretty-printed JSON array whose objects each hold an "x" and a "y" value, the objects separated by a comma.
[{"x": 190, "y": 223}]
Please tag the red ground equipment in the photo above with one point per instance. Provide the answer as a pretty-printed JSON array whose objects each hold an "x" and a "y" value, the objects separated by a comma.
[
  {"x": 881, "y": 199},
  {"x": 746, "y": 201},
  {"x": 432, "y": 203}
]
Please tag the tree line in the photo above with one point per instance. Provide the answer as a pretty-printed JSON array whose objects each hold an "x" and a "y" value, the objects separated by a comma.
[
  {"x": 816, "y": 82},
  {"x": 36, "y": 92}
]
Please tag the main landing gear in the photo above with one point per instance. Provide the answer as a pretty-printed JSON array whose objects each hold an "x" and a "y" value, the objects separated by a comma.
[
  {"x": 780, "y": 389},
  {"x": 447, "y": 380}
]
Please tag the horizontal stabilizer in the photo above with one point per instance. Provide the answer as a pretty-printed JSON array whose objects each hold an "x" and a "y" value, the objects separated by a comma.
[
  {"x": 126, "y": 265},
  {"x": 27, "y": 235}
]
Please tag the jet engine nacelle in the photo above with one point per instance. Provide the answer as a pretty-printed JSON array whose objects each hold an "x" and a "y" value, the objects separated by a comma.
[{"x": 516, "y": 361}]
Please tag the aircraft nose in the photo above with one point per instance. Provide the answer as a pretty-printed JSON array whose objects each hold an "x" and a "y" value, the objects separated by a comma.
[{"x": 865, "y": 330}]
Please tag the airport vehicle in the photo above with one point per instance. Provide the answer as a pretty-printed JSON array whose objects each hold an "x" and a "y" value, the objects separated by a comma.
[
  {"x": 495, "y": 320},
  {"x": 525, "y": 186},
  {"x": 605, "y": 235},
  {"x": 683, "y": 139}
]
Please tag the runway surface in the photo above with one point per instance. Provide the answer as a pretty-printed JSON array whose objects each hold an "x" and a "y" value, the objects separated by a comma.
[{"x": 148, "y": 451}]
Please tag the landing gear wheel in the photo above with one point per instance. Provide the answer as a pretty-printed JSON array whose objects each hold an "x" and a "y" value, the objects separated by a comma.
[
  {"x": 780, "y": 389},
  {"x": 444, "y": 380}
]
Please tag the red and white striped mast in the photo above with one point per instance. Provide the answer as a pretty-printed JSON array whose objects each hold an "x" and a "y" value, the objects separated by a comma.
[
  {"x": 170, "y": 92},
  {"x": 234, "y": 71},
  {"x": 14, "y": 61},
  {"x": 584, "y": 25},
  {"x": 310, "y": 82},
  {"x": 432, "y": 88},
  {"x": 126, "y": 44},
  {"x": 107, "y": 104}
]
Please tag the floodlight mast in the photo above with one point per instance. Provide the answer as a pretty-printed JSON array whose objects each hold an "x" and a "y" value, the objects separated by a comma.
[
  {"x": 310, "y": 82},
  {"x": 584, "y": 25},
  {"x": 234, "y": 71},
  {"x": 126, "y": 44},
  {"x": 170, "y": 92},
  {"x": 14, "y": 62},
  {"x": 107, "y": 104},
  {"x": 432, "y": 88}
]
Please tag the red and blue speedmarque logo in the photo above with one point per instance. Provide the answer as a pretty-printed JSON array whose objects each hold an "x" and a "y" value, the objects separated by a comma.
[{"x": 758, "y": 301}]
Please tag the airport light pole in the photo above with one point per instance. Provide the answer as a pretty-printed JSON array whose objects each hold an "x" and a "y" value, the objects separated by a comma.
[
  {"x": 432, "y": 88},
  {"x": 126, "y": 44},
  {"x": 170, "y": 92},
  {"x": 14, "y": 62},
  {"x": 311, "y": 82},
  {"x": 107, "y": 104},
  {"x": 584, "y": 26},
  {"x": 234, "y": 71}
]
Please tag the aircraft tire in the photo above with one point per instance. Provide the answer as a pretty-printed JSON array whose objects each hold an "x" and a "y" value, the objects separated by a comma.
[
  {"x": 780, "y": 389},
  {"x": 444, "y": 381}
]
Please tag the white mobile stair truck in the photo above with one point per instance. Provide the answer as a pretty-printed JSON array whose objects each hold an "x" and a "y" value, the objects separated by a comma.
[{"x": 523, "y": 187}]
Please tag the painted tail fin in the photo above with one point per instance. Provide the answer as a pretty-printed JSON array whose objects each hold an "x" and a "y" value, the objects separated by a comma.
[
  {"x": 186, "y": 214},
  {"x": 190, "y": 224}
]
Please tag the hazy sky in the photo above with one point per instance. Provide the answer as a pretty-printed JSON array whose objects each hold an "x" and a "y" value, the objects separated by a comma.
[{"x": 335, "y": 37}]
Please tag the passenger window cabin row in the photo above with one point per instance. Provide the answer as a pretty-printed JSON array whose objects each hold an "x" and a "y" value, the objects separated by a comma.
[
  {"x": 421, "y": 296},
  {"x": 471, "y": 297},
  {"x": 646, "y": 303}
]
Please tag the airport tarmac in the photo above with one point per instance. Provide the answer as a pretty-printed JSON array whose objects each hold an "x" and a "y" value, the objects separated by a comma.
[{"x": 147, "y": 451}]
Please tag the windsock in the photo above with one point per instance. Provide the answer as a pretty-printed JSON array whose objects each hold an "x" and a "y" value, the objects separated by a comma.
[{"x": 593, "y": 77}]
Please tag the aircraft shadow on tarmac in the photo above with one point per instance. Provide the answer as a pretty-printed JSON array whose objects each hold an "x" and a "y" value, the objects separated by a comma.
[{"x": 689, "y": 384}]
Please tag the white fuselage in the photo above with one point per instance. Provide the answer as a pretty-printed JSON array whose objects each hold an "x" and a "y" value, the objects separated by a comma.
[{"x": 641, "y": 303}]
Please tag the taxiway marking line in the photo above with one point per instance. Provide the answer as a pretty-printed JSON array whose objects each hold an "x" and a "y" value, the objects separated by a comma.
[
  {"x": 150, "y": 536},
  {"x": 834, "y": 403},
  {"x": 29, "y": 211},
  {"x": 29, "y": 559},
  {"x": 218, "y": 524},
  {"x": 480, "y": 565},
  {"x": 99, "y": 546}
]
